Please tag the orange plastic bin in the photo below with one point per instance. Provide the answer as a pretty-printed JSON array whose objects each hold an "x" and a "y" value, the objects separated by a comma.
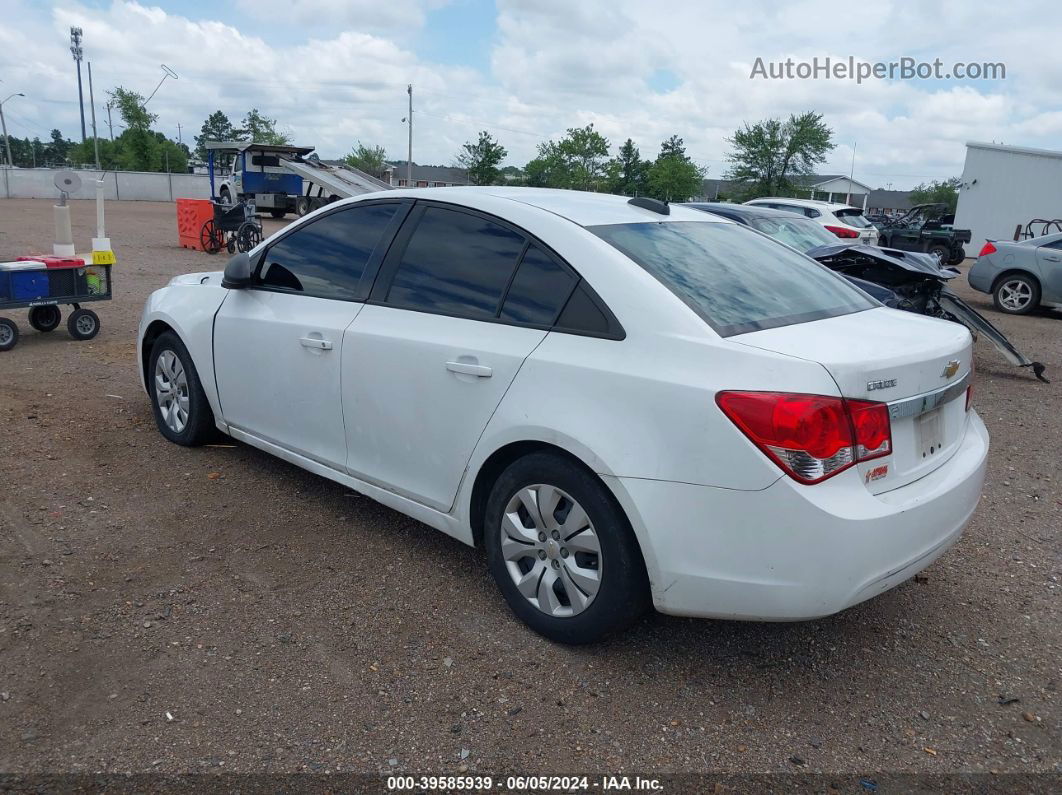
[{"x": 191, "y": 215}]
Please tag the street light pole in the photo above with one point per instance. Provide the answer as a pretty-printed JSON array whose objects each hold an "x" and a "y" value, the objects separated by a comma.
[
  {"x": 76, "y": 51},
  {"x": 3, "y": 126}
]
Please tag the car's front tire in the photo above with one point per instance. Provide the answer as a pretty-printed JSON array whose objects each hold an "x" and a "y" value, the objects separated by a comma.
[
  {"x": 562, "y": 551},
  {"x": 180, "y": 406}
]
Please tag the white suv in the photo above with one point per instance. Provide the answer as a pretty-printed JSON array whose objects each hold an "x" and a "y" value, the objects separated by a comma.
[{"x": 843, "y": 220}]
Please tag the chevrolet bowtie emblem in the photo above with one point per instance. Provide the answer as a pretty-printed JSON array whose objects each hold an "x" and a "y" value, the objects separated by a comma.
[{"x": 950, "y": 369}]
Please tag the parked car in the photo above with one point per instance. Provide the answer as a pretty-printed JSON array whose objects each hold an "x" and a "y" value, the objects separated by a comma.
[
  {"x": 928, "y": 228},
  {"x": 905, "y": 280},
  {"x": 1021, "y": 275},
  {"x": 842, "y": 220},
  {"x": 625, "y": 403}
]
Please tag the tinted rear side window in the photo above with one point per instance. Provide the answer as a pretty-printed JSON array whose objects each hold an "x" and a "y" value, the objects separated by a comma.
[
  {"x": 734, "y": 278},
  {"x": 539, "y": 290},
  {"x": 455, "y": 264},
  {"x": 326, "y": 257}
]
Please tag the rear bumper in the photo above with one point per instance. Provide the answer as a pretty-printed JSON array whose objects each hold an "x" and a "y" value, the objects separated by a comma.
[
  {"x": 980, "y": 278},
  {"x": 792, "y": 552}
]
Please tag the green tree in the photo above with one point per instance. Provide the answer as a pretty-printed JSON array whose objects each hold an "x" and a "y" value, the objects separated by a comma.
[
  {"x": 550, "y": 169},
  {"x": 673, "y": 175},
  {"x": 217, "y": 127},
  {"x": 370, "y": 159},
  {"x": 261, "y": 130},
  {"x": 627, "y": 173},
  {"x": 585, "y": 150},
  {"x": 55, "y": 152},
  {"x": 945, "y": 191},
  {"x": 576, "y": 161},
  {"x": 138, "y": 149},
  {"x": 481, "y": 159},
  {"x": 766, "y": 155}
]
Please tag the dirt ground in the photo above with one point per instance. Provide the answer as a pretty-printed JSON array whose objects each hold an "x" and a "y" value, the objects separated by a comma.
[{"x": 216, "y": 609}]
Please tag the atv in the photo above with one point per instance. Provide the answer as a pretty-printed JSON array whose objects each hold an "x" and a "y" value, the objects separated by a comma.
[{"x": 926, "y": 228}]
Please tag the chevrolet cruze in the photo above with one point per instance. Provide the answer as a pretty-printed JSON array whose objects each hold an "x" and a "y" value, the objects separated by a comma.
[{"x": 625, "y": 403}]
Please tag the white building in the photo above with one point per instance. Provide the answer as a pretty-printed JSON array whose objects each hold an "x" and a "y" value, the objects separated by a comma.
[{"x": 1004, "y": 187}]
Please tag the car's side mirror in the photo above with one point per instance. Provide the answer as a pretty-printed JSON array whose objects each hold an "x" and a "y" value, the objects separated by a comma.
[{"x": 237, "y": 272}]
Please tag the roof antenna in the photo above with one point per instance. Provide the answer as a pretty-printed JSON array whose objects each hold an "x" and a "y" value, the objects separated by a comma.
[{"x": 654, "y": 205}]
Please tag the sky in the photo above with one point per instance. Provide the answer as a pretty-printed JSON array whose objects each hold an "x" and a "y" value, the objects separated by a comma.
[{"x": 334, "y": 72}]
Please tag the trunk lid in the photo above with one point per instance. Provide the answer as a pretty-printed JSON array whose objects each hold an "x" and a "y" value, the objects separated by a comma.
[{"x": 920, "y": 366}]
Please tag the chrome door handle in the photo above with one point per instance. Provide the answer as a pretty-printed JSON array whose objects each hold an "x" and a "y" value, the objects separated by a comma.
[
  {"x": 464, "y": 368},
  {"x": 316, "y": 342}
]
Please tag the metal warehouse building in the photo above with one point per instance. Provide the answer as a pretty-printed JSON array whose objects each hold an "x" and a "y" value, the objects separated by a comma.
[{"x": 1004, "y": 186}]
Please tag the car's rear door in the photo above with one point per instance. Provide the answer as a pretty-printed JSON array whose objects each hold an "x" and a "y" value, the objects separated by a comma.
[
  {"x": 1049, "y": 259},
  {"x": 278, "y": 344},
  {"x": 428, "y": 359}
]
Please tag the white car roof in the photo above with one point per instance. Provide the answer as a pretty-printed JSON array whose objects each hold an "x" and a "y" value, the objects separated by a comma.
[
  {"x": 580, "y": 207},
  {"x": 816, "y": 203}
]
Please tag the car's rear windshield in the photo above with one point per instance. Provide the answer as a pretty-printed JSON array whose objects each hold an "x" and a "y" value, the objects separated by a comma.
[
  {"x": 852, "y": 217},
  {"x": 736, "y": 279},
  {"x": 800, "y": 233}
]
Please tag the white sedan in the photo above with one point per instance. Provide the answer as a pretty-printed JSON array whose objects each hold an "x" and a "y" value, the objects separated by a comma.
[{"x": 625, "y": 403}]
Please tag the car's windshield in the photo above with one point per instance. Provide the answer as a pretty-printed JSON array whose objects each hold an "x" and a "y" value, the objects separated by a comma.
[
  {"x": 735, "y": 279},
  {"x": 800, "y": 233},
  {"x": 852, "y": 217}
]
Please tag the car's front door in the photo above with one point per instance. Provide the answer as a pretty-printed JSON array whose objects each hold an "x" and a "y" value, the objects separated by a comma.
[
  {"x": 278, "y": 344},
  {"x": 427, "y": 361}
]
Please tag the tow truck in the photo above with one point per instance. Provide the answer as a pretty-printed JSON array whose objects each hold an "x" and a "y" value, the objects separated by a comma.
[{"x": 281, "y": 179}]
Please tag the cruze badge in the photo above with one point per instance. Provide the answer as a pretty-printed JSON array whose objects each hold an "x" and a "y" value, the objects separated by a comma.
[
  {"x": 950, "y": 369},
  {"x": 883, "y": 384}
]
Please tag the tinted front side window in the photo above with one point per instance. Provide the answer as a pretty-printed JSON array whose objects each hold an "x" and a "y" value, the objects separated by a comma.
[
  {"x": 735, "y": 279},
  {"x": 326, "y": 257},
  {"x": 539, "y": 290},
  {"x": 455, "y": 264}
]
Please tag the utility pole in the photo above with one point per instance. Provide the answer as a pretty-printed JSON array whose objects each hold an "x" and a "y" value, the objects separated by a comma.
[
  {"x": 92, "y": 105},
  {"x": 3, "y": 127},
  {"x": 110, "y": 126},
  {"x": 409, "y": 161},
  {"x": 179, "y": 133},
  {"x": 75, "y": 50}
]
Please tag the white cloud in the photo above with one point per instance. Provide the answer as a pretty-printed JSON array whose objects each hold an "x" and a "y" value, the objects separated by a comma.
[{"x": 340, "y": 71}]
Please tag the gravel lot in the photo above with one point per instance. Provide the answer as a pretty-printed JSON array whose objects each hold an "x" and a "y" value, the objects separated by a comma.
[{"x": 166, "y": 609}]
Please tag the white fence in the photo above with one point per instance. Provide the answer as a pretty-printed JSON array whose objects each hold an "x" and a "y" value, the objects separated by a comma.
[{"x": 38, "y": 183}]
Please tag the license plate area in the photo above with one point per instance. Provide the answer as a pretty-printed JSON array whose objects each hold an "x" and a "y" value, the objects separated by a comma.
[{"x": 930, "y": 432}]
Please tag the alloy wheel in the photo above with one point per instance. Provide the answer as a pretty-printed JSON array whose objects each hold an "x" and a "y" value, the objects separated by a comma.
[
  {"x": 171, "y": 390},
  {"x": 1015, "y": 294},
  {"x": 551, "y": 550}
]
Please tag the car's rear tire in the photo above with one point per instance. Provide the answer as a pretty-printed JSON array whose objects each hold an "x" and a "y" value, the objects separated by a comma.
[
  {"x": 562, "y": 551},
  {"x": 1016, "y": 294},
  {"x": 178, "y": 402}
]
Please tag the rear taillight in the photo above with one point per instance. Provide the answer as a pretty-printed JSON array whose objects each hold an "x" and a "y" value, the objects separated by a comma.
[
  {"x": 811, "y": 437},
  {"x": 840, "y": 231},
  {"x": 987, "y": 249}
]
